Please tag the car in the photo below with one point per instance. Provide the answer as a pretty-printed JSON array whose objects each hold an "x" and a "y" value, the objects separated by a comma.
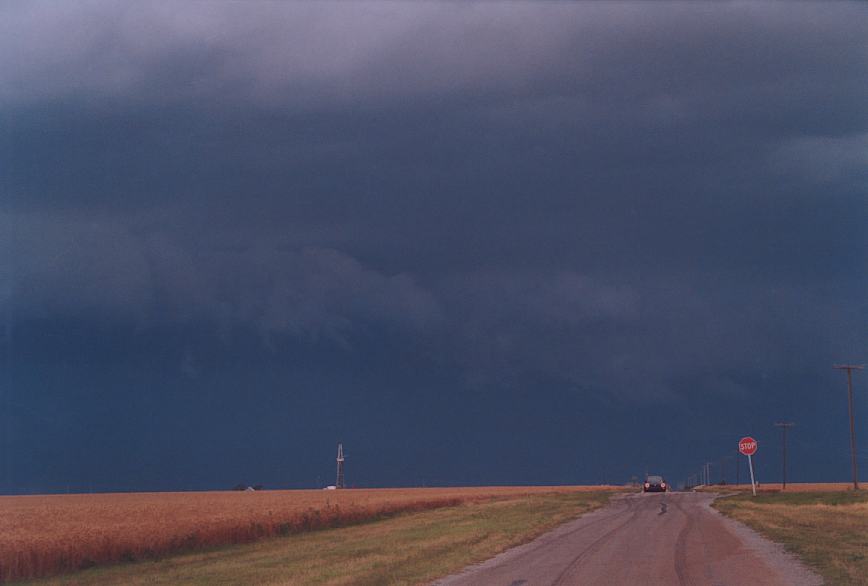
[{"x": 655, "y": 484}]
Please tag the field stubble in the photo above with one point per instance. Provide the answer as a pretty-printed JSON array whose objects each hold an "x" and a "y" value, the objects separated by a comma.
[{"x": 47, "y": 535}]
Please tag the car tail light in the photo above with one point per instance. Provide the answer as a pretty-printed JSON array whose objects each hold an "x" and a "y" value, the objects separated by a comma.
[
  {"x": 662, "y": 485},
  {"x": 647, "y": 485}
]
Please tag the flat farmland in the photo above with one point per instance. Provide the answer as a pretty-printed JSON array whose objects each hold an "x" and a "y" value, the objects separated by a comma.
[
  {"x": 791, "y": 487},
  {"x": 46, "y": 535},
  {"x": 813, "y": 486}
]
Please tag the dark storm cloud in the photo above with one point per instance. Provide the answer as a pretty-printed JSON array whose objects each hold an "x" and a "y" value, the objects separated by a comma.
[
  {"x": 98, "y": 268},
  {"x": 597, "y": 194},
  {"x": 669, "y": 63}
]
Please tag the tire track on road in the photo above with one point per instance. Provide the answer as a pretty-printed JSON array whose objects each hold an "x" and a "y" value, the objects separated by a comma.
[
  {"x": 618, "y": 507},
  {"x": 681, "y": 546},
  {"x": 644, "y": 540},
  {"x": 594, "y": 546},
  {"x": 585, "y": 526}
]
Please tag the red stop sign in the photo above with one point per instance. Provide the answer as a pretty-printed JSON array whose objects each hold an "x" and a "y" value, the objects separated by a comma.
[{"x": 747, "y": 446}]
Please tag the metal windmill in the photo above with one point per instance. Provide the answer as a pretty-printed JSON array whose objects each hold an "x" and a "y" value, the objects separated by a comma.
[{"x": 340, "y": 480}]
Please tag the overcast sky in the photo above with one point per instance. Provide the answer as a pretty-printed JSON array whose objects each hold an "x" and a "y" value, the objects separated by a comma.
[{"x": 477, "y": 242}]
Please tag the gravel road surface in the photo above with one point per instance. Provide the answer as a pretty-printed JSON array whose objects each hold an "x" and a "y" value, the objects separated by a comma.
[{"x": 672, "y": 538}]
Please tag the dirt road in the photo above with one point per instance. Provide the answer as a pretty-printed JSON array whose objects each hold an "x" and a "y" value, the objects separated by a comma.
[{"x": 673, "y": 538}]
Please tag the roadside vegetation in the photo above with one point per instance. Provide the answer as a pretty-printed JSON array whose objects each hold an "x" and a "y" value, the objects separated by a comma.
[
  {"x": 827, "y": 530},
  {"x": 407, "y": 549},
  {"x": 775, "y": 487}
]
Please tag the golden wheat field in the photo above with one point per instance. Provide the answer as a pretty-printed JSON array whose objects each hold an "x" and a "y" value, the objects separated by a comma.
[{"x": 45, "y": 535}]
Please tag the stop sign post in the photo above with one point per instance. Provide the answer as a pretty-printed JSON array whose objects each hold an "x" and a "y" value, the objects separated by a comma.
[{"x": 748, "y": 446}]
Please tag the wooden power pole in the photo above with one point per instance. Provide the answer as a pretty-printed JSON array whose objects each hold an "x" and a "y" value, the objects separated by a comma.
[
  {"x": 784, "y": 425},
  {"x": 853, "y": 466}
]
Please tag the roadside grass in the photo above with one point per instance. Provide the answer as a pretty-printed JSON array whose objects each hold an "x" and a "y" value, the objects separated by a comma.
[
  {"x": 776, "y": 487},
  {"x": 408, "y": 549},
  {"x": 827, "y": 530}
]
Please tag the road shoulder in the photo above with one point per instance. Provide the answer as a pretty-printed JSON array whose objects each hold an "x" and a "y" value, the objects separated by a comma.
[
  {"x": 617, "y": 504},
  {"x": 786, "y": 564}
]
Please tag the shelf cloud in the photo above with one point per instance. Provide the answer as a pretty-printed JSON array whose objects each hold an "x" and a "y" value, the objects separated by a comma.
[{"x": 640, "y": 203}]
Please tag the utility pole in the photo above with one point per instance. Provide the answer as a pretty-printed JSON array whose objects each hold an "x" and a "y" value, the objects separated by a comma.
[
  {"x": 784, "y": 425},
  {"x": 708, "y": 473},
  {"x": 850, "y": 368}
]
